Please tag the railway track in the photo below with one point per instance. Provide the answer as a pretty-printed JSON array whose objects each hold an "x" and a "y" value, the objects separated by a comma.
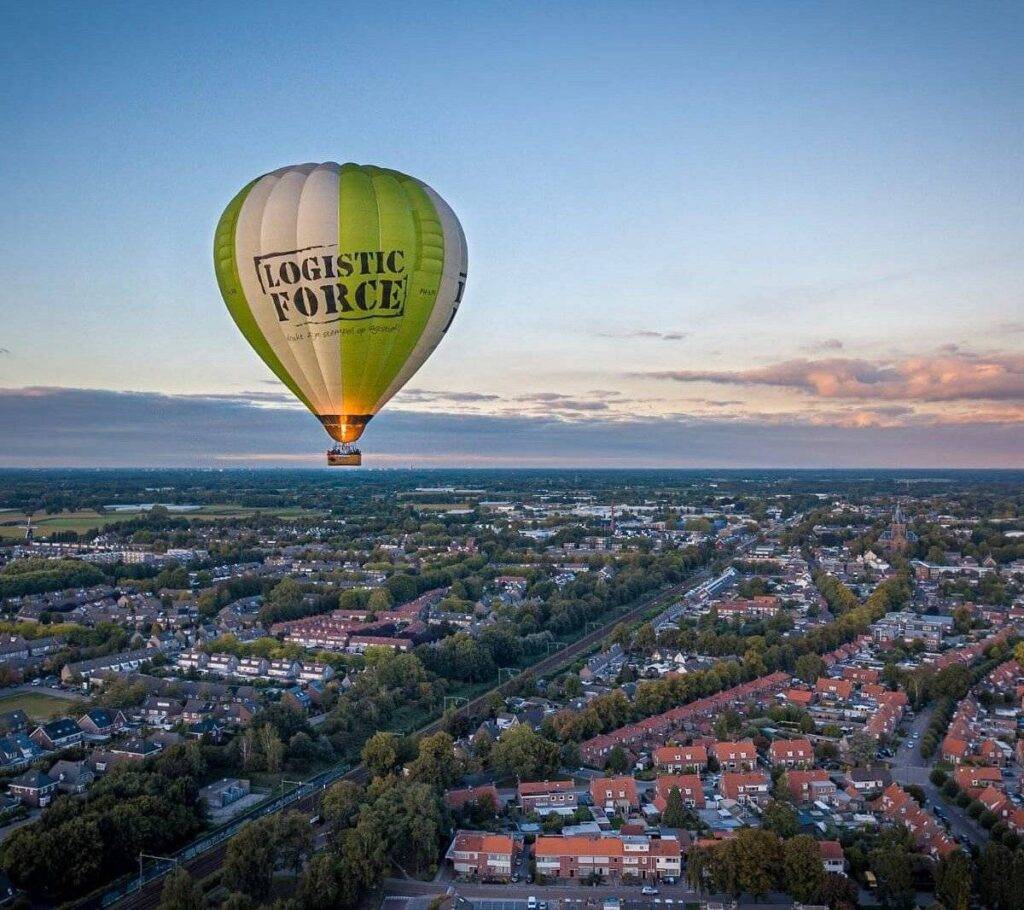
[{"x": 201, "y": 862}]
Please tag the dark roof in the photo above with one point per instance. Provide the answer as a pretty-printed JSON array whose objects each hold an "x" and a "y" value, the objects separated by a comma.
[
  {"x": 9, "y": 720},
  {"x": 61, "y": 727},
  {"x": 33, "y": 780},
  {"x": 100, "y": 716}
]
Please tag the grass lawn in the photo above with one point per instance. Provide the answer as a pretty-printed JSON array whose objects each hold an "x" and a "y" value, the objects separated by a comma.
[
  {"x": 87, "y": 519},
  {"x": 38, "y": 705}
]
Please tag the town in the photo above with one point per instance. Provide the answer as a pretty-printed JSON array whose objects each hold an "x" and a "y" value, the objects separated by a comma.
[{"x": 542, "y": 690}]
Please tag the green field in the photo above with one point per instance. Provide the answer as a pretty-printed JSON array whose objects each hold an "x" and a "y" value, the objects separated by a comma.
[
  {"x": 12, "y": 524},
  {"x": 38, "y": 705}
]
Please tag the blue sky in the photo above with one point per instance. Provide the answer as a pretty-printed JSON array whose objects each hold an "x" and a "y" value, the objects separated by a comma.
[{"x": 728, "y": 218}]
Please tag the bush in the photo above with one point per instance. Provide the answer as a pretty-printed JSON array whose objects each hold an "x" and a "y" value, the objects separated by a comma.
[
  {"x": 975, "y": 808},
  {"x": 951, "y": 788},
  {"x": 916, "y": 792},
  {"x": 938, "y": 777},
  {"x": 963, "y": 800}
]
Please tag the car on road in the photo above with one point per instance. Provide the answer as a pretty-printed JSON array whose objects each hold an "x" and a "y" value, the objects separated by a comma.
[{"x": 648, "y": 889}]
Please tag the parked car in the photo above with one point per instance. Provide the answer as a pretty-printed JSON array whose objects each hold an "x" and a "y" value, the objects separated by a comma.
[{"x": 648, "y": 889}]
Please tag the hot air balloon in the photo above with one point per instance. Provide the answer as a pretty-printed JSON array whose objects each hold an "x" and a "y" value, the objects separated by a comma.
[{"x": 343, "y": 278}]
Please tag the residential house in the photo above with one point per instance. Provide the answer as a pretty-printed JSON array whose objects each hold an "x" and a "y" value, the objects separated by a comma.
[
  {"x": 590, "y": 856},
  {"x": 546, "y": 796},
  {"x": 482, "y": 855},
  {"x": 13, "y": 722},
  {"x": 615, "y": 794},
  {"x": 838, "y": 689},
  {"x": 101, "y": 722},
  {"x": 681, "y": 759},
  {"x": 283, "y": 670},
  {"x": 832, "y": 856},
  {"x": 738, "y": 756},
  {"x": 458, "y": 799},
  {"x": 123, "y": 662},
  {"x": 33, "y": 788},
  {"x": 869, "y": 780},
  {"x": 62, "y": 733},
  {"x": 221, "y": 664},
  {"x": 18, "y": 751},
  {"x": 298, "y": 698},
  {"x": 161, "y": 711},
  {"x": 791, "y": 753},
  {"x": 955, "y": 750},
  {"x": 977, "y": 777},
  {"x": 136, "y": 749},
  {"x": 316, "y": 672},
  {"x": 72, "y": 776},
  {"x": 252, "y": 668},
  {"x": 810, "y": 786},
  {"x": 746, "y": 787},
  {"x": 690, "y": 788}
]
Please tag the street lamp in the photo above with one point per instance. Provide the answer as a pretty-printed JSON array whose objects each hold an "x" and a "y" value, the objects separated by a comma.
[{"x": 161, "y": 859}]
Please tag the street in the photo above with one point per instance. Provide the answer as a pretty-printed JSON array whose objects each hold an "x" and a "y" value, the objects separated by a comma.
[
  {"x": 564, "y": 896},
  {"x": 909, "y": 766}
]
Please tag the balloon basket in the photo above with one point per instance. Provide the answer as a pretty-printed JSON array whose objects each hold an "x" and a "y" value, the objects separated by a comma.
[{"x": 344, "y": 456}]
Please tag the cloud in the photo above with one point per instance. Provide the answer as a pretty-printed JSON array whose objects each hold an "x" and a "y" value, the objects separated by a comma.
[
  {"x": 945, "y": 376},
  {"x": 640, "y": 333},
  {"x": 428, "y": 395},
  {"x": 559, "y": 403},
  {"x": 827, "y": 344},
  {"x": 51, "y": 427}
]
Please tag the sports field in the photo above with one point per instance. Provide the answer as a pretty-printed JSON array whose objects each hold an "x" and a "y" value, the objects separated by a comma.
[{"x": 38, "y": 705}]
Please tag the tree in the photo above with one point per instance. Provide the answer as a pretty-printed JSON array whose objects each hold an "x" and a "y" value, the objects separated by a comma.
[
  {"x": 809, "y": 667},
  {"x": 760, "y": 860},
  {"x": 861, "y": 749},
  {"x": 340, "y": 805},
  {"x": 644, "y": 639},
  {"x": 804, "y": 873},
  {"x": 380, "y": 753},
  {"x": 674, "y": 815},
  {"x": 618, "y": 761},
  {"x": 890, "y": 861},
  {"x": 293, "y": 840},
  {"x": 237, "y": 901},
  {"x": 521, "y": 752},
  {"x": 994, "y": 884},
  {"x": 272, "y": 748},
  {"x": 698, "y": 869},
  {"x": 839, "y": 892},
  {"x": 319, "y": 886},
  {"x": 181, "y": 892},
  {"x": 250, "y": 859},
  {"x": 436, "y": 762},
  {"x": 953, "y": 881},
  {"x": 780, "y": 817},
  {"x": 380, "y": 600}
]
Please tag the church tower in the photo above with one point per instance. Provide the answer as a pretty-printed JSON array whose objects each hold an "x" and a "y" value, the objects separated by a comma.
[{"x": 898, "y": 531}]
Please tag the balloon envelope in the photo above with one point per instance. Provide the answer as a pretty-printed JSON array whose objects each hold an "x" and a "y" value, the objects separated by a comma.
[{"x": 343, "y": 278}]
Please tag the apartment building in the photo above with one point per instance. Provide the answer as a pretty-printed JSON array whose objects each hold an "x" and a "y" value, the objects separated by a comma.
[{"x": 635, "y": 855}]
